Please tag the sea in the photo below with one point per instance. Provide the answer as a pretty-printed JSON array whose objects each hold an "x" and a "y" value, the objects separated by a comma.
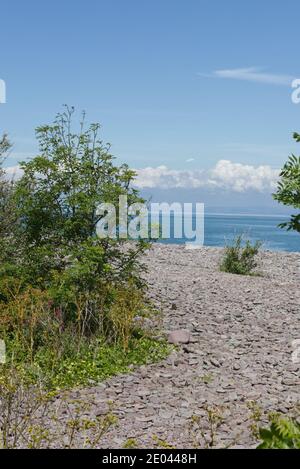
[{"x": 221, "y": 229}]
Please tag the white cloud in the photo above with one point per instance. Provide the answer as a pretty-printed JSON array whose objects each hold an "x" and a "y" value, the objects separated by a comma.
[
  {"x": 166, "y": 178},
  {"x": 190, "y": 160},
  {"x": 253, "y": 74},
  {"x": 225, "y": 175},
  {"x": 2, "y": 92},
  {"x": 239, "y": 177}
]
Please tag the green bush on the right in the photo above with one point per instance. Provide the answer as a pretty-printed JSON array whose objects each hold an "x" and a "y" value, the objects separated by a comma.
[
  {"x": 239, "y": 258},
  {"x": 283, "y": 433}
]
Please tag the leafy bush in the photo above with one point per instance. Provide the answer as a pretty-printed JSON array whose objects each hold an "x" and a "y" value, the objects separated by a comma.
[
  {"x": 283, "y": 433},
  {"x": 96, "y": 361},
  {"x": 68, "y": 299},
  {"x": 288, "y": 190},
  {"x": 54, "y": 247},
  {"x": 57, "y": 200},
  {"x": 239, "y": 258},
  {"x": 46, "y": 346}
]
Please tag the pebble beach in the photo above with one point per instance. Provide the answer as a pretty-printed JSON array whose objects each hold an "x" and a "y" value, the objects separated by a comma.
[{"x": 236, "y": 356}]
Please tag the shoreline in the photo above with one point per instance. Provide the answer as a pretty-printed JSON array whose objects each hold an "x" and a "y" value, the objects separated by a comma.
[{"x": 262, "y": 249}]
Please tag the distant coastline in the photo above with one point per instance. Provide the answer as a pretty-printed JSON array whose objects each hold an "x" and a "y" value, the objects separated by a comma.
[{"x": 221, "y": 228}]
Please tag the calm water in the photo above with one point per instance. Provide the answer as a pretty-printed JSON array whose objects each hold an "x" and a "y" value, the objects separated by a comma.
[{"x": 220, "y": 229}]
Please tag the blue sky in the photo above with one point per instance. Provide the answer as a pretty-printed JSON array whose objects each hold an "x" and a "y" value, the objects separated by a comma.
[{"x": 170, "y": 80}]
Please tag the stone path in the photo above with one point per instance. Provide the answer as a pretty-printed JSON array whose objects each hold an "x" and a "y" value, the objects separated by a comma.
[{"x": 240, "y": 352}]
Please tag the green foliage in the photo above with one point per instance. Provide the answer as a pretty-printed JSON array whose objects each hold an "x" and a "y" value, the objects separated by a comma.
[
  {"x": 92, "y": 362},
  {"x": 160, "y": 443},
  {"x": 288, "y": 190},
  {"x": 68, "y": 299},
  {"x": 57, "y": 200},
  {"x": 54, "y": 247},
  {"x": 130, "y": 443},
  {"x": 62, "y": 187},
  {"x": 239, "y": 258},
  {"x": 283, "y": 433},
  {"x": 60, "y": 353}
]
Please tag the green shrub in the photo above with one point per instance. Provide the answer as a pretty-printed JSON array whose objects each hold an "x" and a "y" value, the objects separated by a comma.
[
  {"x": 63, "y": 363},
  {"x": 97, "y": 361},
  {"x": 100, "y": 341},
  {"x": 53, "y": 244},
  {"x": 288, "y": 189},
  {"x": 57, "y": 200},
  {"x": 239, "y": 258},
  {"x": 68, "y": 299},
  {"x": 54, "y": 248},
  {"x": 283, "y": 433}
]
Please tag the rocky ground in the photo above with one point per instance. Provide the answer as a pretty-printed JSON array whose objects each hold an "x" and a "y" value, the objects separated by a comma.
[{"x": 239, "y": 353}]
